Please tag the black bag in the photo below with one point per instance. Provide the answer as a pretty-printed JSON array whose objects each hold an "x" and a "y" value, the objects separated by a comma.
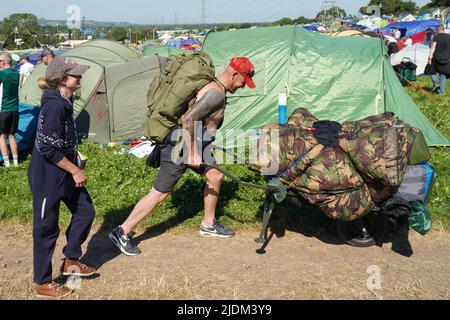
[
  {"x": 392, "y": 48},
  {"x": 428, "y": 70},
  {"x": 442, "y": 61},
  {"x": 154, "y": 159},
  {"x": 406, "y": 70}
]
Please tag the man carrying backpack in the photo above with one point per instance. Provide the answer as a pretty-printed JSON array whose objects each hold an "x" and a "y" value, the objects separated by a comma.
[{"x": 207, "y": 108}]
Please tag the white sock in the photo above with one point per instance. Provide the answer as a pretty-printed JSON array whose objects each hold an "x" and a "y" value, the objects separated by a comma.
[
  {"x": 207, "y": 225},
  {"x": 16, "y": 160},
  {"x": 6, "y": 162}
]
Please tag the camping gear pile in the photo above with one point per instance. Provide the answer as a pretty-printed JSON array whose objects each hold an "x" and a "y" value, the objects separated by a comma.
[{"x": 347, "y": 170}]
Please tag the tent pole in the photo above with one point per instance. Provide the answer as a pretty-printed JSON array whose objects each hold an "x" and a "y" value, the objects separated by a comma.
[
  {"x": 110, "y": 112},
  {"x": 289, "y": 63},
  {"x": 383, "y": 74}
]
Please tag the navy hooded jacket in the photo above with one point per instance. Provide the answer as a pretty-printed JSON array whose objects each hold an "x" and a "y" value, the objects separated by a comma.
[{"x": 55, "y": 139}]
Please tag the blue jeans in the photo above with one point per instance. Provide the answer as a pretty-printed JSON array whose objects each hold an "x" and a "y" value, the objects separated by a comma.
[{"x": 443, "y": 80}]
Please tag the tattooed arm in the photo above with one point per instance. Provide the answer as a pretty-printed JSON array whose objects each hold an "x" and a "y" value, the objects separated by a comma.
[{"x": 208, "y": 103}]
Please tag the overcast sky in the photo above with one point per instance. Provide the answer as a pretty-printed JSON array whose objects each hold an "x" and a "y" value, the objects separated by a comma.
[{"x": 179, "y": 11}]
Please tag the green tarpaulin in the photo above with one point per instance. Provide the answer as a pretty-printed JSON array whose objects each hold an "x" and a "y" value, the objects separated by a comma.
[{"x": 336, "y": 78}]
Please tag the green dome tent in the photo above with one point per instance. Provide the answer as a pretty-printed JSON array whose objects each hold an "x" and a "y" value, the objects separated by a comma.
[
  {"x": 112, "y": 102},
  {"x": 336, "y": 78},
  {"x": 162, "y": 51}
]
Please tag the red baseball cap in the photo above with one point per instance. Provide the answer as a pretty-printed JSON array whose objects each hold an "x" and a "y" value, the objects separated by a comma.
[{"x": 245, "y": 68}]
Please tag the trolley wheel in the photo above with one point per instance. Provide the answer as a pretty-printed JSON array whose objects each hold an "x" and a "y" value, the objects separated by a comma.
[{"x": 362, "y": 233}]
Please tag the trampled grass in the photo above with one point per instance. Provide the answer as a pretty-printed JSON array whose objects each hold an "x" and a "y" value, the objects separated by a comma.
[{"x": 117, "y": 182}]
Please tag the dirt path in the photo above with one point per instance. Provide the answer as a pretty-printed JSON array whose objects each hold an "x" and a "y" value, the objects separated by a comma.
[{"x": 182, "y": 265}]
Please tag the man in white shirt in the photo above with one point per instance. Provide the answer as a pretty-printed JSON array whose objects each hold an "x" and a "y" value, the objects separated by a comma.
[{"x": 25, "y": 69}]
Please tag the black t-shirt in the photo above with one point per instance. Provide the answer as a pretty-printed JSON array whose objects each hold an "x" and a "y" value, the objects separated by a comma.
[{"x": 442, "y": 46}]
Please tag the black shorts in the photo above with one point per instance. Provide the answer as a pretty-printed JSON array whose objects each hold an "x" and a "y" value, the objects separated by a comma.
[
  {"x": 9, "y": 121},
  {"x": 170, "y": 173}
]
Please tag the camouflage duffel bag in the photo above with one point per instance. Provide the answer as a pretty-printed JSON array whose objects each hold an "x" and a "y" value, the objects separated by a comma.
[
  {"x": 379, "y": 148},
  {"x": 323, "y": 176},
  {"x": 280, "y": 146},
  {"x": 302, "y": 117},
  {"x": 327, "y": 178}
]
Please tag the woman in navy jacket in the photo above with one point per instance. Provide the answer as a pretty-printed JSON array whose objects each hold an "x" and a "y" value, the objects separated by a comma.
[{"x": 54, "y": 177}]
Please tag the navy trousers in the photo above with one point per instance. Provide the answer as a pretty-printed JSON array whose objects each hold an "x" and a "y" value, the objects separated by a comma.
[{"x": 46, "y": 230}]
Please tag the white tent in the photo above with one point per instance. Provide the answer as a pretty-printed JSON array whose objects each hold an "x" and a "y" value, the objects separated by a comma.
[
  {"x": 71, "y": 43},
  {"x": 165, "y": 36},
  {"x": 372, "y": 23},
  {"x": 417, "y": 53},
  {"x": 409, "y": 18},
  {"x": 15, "y": 57},
  {"x": 437, "y": 14}
]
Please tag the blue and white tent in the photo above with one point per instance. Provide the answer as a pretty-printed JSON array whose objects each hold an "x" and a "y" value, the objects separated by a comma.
[{"x": 411, "y": 28}]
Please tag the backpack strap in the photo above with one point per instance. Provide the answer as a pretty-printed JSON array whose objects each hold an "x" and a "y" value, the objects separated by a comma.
[{"x": 220, "y": 84}]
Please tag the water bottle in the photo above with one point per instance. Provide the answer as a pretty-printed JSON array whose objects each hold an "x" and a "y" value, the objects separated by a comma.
[{"x": 282, "y": 109}]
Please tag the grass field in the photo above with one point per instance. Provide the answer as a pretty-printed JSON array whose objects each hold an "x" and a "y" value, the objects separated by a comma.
[
  {"x": 437, "y": 110},
  {"x": 117, "y": 182}
]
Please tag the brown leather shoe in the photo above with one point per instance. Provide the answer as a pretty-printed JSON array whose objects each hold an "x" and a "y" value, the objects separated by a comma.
[
  {"x": 52, "y": 290},
  {"x": 76, "y": 268}
]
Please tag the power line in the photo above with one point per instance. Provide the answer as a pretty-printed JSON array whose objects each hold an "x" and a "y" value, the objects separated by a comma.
[
  {"x": 203, "y": 14},
  {"x": 329, "y": 11}
]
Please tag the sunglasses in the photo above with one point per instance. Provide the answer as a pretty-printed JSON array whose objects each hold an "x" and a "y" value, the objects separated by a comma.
[{"x": 74, "y": 76}]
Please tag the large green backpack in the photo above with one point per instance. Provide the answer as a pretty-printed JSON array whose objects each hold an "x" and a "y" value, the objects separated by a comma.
[{"x": 169, "y": 94}]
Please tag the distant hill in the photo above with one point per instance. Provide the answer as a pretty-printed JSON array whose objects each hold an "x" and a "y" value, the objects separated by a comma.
[
  {"x": 105, "y": 24},
  {"x": 92, "y": 24}
]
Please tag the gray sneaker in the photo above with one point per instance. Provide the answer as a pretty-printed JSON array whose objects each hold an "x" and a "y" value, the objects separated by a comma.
[
  {"x": 216, "y": 230},
  {"x": 436, "y": 87},
  {"x": 124, "y": 242}
]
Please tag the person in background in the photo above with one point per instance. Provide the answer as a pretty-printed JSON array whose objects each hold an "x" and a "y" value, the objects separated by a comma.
[
  {"x": 47, "y": 56},
  {"x": 396, "y": 33},
  {"x": 55, "y": 177},
  {"x": 25, "y": 69},
  {"x": 428, "y": 38},
  {"x": 439, "y": 60},
  {"x": 9, "y": 108}
]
